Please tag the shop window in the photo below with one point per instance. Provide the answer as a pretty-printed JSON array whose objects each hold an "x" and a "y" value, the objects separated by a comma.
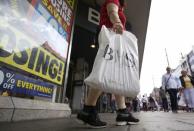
[{"x": 34, "y": 40}]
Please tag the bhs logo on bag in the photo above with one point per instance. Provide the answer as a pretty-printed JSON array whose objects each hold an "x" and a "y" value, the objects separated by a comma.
[{"x": 127, "y": 58}]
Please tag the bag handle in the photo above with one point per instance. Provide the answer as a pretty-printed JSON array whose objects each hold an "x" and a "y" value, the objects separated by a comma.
[{"x": 167, "y": 81}]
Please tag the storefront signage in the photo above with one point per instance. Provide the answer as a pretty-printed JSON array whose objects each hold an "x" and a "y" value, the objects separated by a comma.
[
  {"x": 93, "y": 16},
  {"x": 17, "y": 83},
  {"x": 20, "y": 51},
  {"x": 59, "y": 13}
]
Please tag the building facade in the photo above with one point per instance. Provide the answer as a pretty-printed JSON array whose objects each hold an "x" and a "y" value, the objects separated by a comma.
[{"x": 45, "y": 52}]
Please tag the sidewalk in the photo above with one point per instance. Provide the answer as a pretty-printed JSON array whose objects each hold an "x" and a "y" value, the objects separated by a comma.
[{"x": 149, "y": 121}]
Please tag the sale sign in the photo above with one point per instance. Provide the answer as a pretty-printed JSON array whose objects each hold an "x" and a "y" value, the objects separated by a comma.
[
  {"x": 59, "y": 13},
  {"x": 17, "y": 83}
]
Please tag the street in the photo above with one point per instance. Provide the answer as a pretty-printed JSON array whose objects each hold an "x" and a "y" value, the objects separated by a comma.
[{"x": 149, "y": 121}]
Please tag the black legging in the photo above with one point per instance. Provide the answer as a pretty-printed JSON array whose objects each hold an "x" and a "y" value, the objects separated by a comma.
[{"x": 173, "y": 98}]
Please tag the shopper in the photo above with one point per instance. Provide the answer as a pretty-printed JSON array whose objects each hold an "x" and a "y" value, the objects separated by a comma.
[
  {"x": 112, "y": 16},
  {"x": 171, "y": 84},
  {"x": 188, "y": 89}
]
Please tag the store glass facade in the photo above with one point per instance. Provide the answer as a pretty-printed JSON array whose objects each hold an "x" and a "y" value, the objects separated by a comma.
[{"x": 34, "y": 40}]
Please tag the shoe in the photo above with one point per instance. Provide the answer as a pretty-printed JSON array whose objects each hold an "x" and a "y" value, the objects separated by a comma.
[
  {"x": 92, "y": 119},
  {"x": 124, "y": 117}
]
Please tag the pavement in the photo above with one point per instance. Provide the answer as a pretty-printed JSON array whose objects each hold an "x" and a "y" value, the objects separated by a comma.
[{"x": 149, "y": 121}]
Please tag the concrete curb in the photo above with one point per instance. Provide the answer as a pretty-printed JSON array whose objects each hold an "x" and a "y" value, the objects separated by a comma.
[{"x": 18, "y": 109}]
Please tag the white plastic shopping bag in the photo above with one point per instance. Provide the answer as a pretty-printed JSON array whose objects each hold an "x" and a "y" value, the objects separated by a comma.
[
  {"x": 116, "y": 66},
  {"x": 182, "y": 102}
]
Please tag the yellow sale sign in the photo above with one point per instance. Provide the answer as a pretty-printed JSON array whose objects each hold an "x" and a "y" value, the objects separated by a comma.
[{"x": 21, "y": 51}]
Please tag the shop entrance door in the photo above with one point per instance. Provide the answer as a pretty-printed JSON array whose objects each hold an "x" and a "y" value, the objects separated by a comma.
[{"x": 82, "y": 58}]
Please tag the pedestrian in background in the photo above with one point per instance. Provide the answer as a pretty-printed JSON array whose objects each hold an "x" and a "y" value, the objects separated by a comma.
[
  {"x": 113, "y": 103},
  {"x": 144, "y": 102},
  {"x": 188, "y": 89},
  {"x": 171, "y": 84},
  {"x": 152, "y": 104},
  {"x": 135, "y": 104},
  {"x": 104, "y": 102}
]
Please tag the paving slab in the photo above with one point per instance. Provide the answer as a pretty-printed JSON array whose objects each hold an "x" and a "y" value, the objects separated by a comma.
[{"x": 149, "y": 121}]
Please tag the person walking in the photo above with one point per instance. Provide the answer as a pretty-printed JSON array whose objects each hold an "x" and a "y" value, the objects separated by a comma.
[
  {"x": 112, "y": 16},
  {"x": 164, "y": 99},
  {"x": 171, "y": 84},
  {"x": 135, "y": 104},
  {"x": 188, "y": 89},
  {"x": 104, "y": 102},
  {"x": 145, "y": 103},
  {"x": 113, "y": 103},
  {"x": 152, "y": 104}
]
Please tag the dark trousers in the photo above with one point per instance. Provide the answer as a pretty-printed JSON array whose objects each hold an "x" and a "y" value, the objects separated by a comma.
[
  {"x": 113, "y": 106},
  {"x": 104, "y": 107},
  {"x": 135, "y": 106},
  {"x": 145, "y": 108},
  {"x": 173, "y": 98},
  {"x": 165, "y": 104}
]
